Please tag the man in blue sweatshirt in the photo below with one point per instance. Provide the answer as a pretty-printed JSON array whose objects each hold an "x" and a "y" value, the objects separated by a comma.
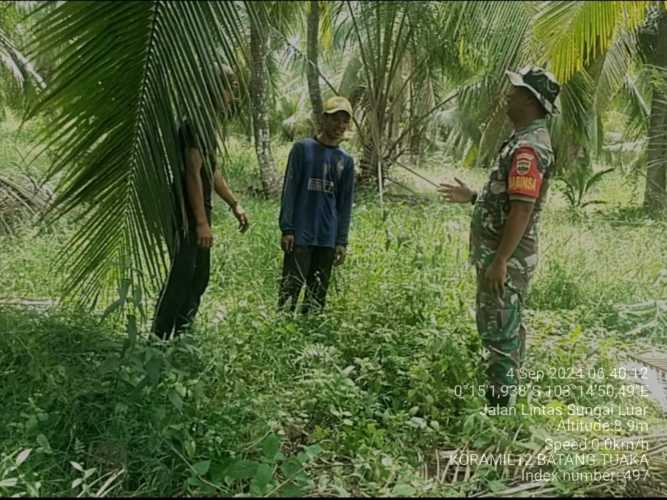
[{"x": 316, "y": 209}]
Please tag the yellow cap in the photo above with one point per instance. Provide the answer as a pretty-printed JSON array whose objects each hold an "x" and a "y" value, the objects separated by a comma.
[{"x": 337, "y": 103}]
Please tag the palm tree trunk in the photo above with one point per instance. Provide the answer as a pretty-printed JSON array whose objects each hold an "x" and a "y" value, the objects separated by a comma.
[
  {"x": 313, "y": 71},
  {"x": 654, "y": 195},
  {"x": 655, "y": 200},
  {"x": 262, "y": 134}
]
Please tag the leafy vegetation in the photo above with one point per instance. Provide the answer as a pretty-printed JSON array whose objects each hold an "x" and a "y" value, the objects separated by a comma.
[
  {"x": 357, "y": 401},
  {"x": 578, "y": 182},
  {"x": 369, "y": 397},
  {"x": 419, "y": 74}
]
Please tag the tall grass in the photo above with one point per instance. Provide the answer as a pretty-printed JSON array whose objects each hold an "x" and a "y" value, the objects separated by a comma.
[{"x": 354, "y": 401}]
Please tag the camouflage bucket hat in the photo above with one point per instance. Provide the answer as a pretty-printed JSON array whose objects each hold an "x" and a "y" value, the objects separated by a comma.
[{"x": 541, "y": 83}]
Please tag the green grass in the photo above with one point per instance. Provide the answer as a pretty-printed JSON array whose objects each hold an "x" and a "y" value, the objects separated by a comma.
[{"x": 355, "y": 401}]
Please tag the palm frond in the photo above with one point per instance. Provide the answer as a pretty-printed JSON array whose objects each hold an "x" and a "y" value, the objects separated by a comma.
[
  {"x": 350, "y": 80},
  {"x": 596, "y": 178},
  {"x": 635, "y": 98},
  {"x": 506, "y": 45},
  {"x": 286, "y": 17},
  {"x": 330, "y": 17},
  {"x": 575, "y": 32},
  {"x": 130, "y": 71},
  {"x": 28, "y": 6},
  {"x": 18, "y": 65},
  {"x": 618, "y": 59},
  {"x": 571, "y": 130}
]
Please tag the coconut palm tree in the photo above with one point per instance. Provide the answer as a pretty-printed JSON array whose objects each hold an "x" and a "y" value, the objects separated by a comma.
[
  {"x": 606, "y": 37},
  {"x": 312, "y": 69},
  {"x": 18, "y": 71},
  {"x": 259, "y": 54},
  {"x": 266, "y": 19},
  {"x": 655, "y": 195},
  {"x": 393, "y": 45},
  {"x": 594, "y": 49},
  {"x": 129, "y": 71}
]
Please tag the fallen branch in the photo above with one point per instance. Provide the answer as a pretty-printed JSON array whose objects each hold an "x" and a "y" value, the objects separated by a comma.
[{"x": 416, "y": 174}]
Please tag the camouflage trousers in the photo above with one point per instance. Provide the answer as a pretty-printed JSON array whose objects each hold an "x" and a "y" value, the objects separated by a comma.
[{"x": 500, "y": 327}]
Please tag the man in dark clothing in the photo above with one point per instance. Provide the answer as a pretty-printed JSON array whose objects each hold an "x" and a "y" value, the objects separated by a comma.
[
  {"x": 189, "y": 274},
  {"x": 316, "y": 209}
]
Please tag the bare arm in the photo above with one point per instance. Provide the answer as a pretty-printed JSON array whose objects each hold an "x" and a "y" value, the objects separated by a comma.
[
  {"x": 195, "y": 191},
  {"x": 224, "y": 191},
  {"x": 513, "y": 230},
  {"x": 515, "y": 226}
]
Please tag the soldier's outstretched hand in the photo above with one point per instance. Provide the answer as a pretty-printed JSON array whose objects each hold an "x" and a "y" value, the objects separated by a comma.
[{"x": 456, "y": 194}]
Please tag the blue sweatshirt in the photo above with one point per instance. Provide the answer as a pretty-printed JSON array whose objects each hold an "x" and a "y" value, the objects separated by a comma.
[{"x": 317, "y": 194}]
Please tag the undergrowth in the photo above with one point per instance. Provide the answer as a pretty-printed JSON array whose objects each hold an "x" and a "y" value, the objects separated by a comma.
[{"x": 353, "y": 401}]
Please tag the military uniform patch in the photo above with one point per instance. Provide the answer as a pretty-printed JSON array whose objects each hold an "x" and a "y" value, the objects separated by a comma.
[
  {"x": 523, "y": 184},
  {"x": 523, "y": 161}
]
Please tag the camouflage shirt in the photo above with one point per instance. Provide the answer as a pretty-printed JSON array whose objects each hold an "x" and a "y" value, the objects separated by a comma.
[{"x": 525, "y": 163}]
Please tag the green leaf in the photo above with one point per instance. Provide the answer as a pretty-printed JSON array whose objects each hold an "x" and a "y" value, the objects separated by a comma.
[
  {"x": 593, "y": 202},
  {"x": 153, "y": 369},
  {"x": 23, "y": 456},
  {"x": 496, "y": 486},
  {"x": 595, "y": 178},
  {"x": 8, "y": 483},
  {"x": 114, "y": 306},
  {"x": 242, "y": 469},
  {"x": 194, "y": 481},
  {"x": 110, "y": 364},
  {"x": 293, "y": 491},
  {"x": 201, "y": 468},
  {"x": 403, "y": 490},
  {"x": 190, "y": 447},
  {"x": 342, "y": 492},
  {"x": 132, "y": 328},
  {"x": 313, "y": 451},
  {"x": 217, "y": 471},
  {"x": 262, "y": 480},
  {"x": 291, "y": 467},
  {"x": 16, "y": 63},
  {"x": 44, "y": 443},
  {"x": 176, "y": 400},
  {"x": 270, "y": 446},
  {"x": 531, "y": 445}
]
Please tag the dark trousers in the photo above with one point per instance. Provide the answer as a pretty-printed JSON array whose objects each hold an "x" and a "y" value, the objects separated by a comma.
[
  {"x": 307, "y": 265},
  {"x": 181, "y": 294}
]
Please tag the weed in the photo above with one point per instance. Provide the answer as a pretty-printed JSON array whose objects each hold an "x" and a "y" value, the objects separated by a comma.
[{"x": 350, "y": 402}]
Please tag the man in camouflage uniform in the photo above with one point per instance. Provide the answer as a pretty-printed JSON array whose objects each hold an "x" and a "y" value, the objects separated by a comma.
[{"x": 503, "y": 231}]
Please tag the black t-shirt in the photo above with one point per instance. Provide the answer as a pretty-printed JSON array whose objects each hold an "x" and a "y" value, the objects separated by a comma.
[{"x": 189, "y": 138}]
